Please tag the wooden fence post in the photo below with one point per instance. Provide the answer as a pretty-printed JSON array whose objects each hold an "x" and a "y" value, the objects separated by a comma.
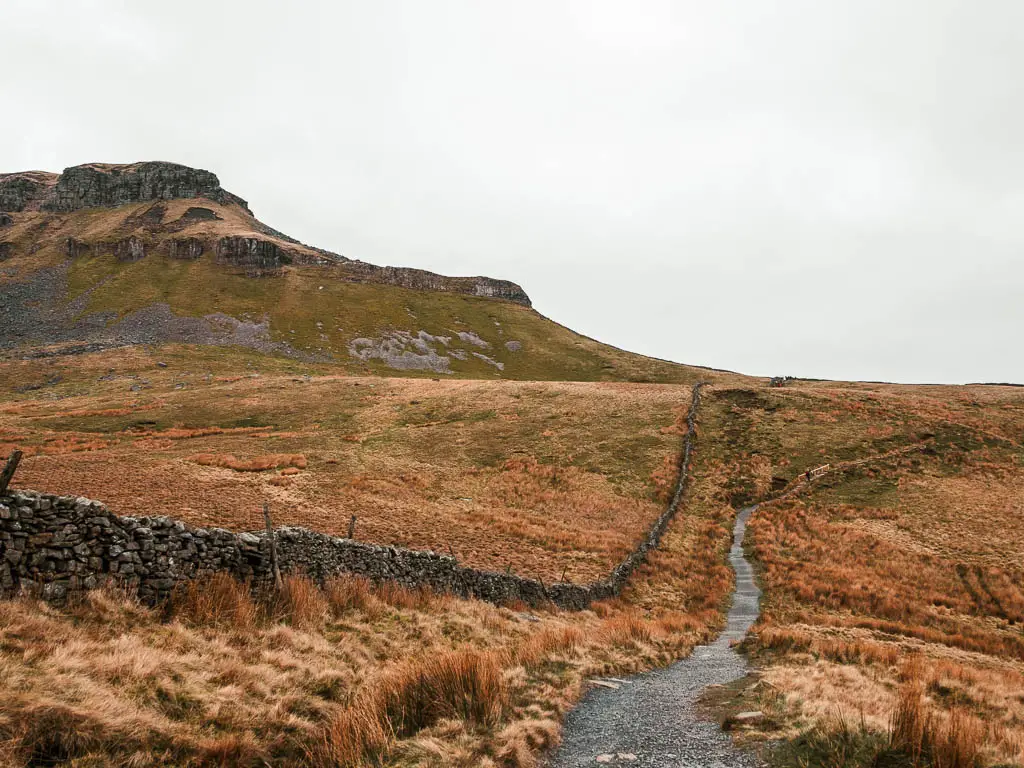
[
  {"x": 8, "y": 473},
  {"x": 273, "y": 545},
  {"x": 352, "y": 527}
]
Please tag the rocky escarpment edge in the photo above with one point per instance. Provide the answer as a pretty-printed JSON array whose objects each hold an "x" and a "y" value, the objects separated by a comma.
[
  {"x": 66, "y": 544},
  {"x": 99, "y": 185}
]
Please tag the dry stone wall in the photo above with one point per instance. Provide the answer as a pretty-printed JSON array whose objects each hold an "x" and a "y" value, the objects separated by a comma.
[{"x": 65, "y": 544}]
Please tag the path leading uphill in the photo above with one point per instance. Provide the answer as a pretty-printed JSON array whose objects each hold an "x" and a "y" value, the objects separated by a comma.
[{"x": 651, "y": 720}]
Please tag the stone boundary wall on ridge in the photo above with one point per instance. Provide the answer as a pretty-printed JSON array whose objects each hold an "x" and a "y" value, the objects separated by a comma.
[{"x": 65, "y": 544}]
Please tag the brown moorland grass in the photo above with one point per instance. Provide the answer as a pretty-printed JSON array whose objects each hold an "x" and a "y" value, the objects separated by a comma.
[
  {"x": 339, "y": 675},
  {"x": 311, "y": 311},
  {"x": 353, "y": 668},
  {"x": 256, "y": 464},
  {"x": 553, "y": 480},
  {"x": 915, "y": 555}
]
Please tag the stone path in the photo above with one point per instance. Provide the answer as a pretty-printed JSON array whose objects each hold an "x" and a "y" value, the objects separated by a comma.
[{"x": 651, "y": 720}]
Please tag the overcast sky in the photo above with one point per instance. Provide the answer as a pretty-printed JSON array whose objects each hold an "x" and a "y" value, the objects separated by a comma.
[{"x": 800, "y": 187}]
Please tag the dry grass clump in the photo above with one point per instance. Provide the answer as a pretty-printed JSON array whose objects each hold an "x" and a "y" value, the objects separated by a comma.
[
  {"x": 62, "y": 445},
  {"x": 465, "y": 685},
  {"x": 952, "y": 741},
  {"x": 628, "y": 627},
  {"x": 548, "y": 642},
  {"x": 52, "y": 732},
  {"x": 299, "y": 602},
  {"x": 857, "y": 651},
  {"x": 255, "y": 464},
  {"x": 349, "y": 593},
  {"x": 518, "y": 744},
  {"x": 218, "y": 599},
  {"x": 400, "y": 596}
]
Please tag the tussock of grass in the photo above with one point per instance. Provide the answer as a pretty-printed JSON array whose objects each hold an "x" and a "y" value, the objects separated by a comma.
[
  {"x": 217, "y": 600},
  {"x": 464, "y": 685},
  {"x": 953, "y": 741},
  {"x": 255, "y": 464},
  {"x": 349, "y": 673}
]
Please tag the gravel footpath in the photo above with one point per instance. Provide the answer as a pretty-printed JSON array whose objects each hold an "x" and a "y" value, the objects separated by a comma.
[{"x": 651, "y": 720}]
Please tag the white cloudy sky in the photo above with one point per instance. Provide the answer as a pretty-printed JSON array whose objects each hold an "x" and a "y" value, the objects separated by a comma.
[{"x": 811, "y": 187}]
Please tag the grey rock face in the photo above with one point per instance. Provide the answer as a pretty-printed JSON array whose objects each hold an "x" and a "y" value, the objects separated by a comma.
[
  {"x": 129, "y": 249},
  {"x": 471, "y": 338},
  {"x": 252, "y": 253},
  {"x": 24, "y": 191},
  {"x": 404, "y": 351},
  {"x": 93, "y": 185},
  {"x": 74, "y": 248},
  {"x": 490, "y": 361},
  {"x": 185, "y": 248},
  {"x": 420, "y": 279}
]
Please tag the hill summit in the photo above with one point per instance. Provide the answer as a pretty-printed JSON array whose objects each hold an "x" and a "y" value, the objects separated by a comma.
[{"x": 106, "y": 255}]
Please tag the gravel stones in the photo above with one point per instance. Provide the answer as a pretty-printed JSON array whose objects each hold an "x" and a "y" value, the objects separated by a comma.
[{"x": 655, "y": 719}]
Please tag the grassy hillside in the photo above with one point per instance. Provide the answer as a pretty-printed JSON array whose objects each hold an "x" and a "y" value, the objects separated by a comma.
[
  {"x": 897, "y": 578},
  {"x": 316, "y": 313},
  {"x": 892, "y": 586},
  {"x": 550, "y": 479},
  {"x": 893, "y": 607},
  {"x": 63, "y": 282}
]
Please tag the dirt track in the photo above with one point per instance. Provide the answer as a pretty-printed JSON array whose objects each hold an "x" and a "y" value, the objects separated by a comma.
[{"x": 652, "y": 720}]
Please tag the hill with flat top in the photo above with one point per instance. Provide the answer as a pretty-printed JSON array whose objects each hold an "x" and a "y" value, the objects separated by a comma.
[{"x": 104, "y": 256}]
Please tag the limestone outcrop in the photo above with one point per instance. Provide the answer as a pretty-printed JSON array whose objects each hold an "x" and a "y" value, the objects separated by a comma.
[
  {"x": 25, "y": 191},
  {"x": 97, "y": 184},
  {"x": 73, "y": 248},
  {"x": 185, "y": 248},
  {"x": 420, "y": 279},
  {"x": 129, "y": 249},
  {"x": 251, "y": 253},
  {"x": 247, "y": 243}
]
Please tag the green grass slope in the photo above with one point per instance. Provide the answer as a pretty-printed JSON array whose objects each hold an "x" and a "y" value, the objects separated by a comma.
[{"x": 319, "y": 315}]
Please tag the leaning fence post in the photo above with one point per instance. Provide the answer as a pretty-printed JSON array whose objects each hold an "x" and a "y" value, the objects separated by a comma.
[
  {"x": 352, "y": 527},
  {"x": 273, "y": 545},
  {"x": 8, "y": 473}
]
